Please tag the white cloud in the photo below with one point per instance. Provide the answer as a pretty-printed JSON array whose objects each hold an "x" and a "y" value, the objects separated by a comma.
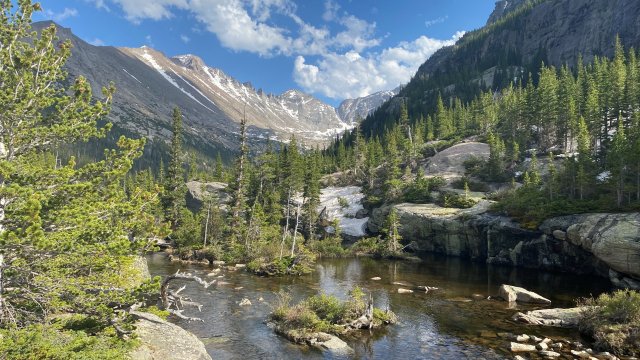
[
  {"x": 439, "y": 20},
  {"x": 61, "y": 16},
  {"x": 352, "y": 75},
  {"x": 330, "y": 10},
  {"x": 185, "y": 39},
  {"x": 137, "y": 10},
  {"x": 100, "y": 4},
  {"x": 338, "y": 61},
  {"x": 237, "y": 30},
  {"x": 97, "y": 42}
]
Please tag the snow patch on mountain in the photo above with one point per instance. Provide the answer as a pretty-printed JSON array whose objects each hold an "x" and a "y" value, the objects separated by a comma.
[
  {"x": 346, "y": 216},
  {"x": 152, "y": 61},
  {"x": 352, "y": 109}
]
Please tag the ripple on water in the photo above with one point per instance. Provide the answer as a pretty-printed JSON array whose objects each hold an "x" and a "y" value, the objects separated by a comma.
[{"x": 450, "y": 323}]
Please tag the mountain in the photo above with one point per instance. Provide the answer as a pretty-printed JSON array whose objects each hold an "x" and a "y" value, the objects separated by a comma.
[
  {"x": 149, "y": 84},
  {"x": 518, "y": 38},
  {"x": 351, "y": 110},
  {"x": 504, "y": 7}
]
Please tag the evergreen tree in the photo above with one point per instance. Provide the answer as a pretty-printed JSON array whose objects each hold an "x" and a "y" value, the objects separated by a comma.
[
  {"x": 392, "y": 232},
  {"x": 239, "y": 189},
  {"x": 67, "y": 232},
  {"x": 174, "y": 186}
]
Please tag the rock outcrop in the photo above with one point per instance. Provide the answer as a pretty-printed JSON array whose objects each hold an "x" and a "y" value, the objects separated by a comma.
[
  {"x": 449, "y": 163},
  {"x": 198, "y": 191},
  {"x": 607, "y": 245},
  {"x": 513, "y": 293},
  {"x": 612, "y": 238},
  {"x": 567, "y": 318},
  {"x": 162, "y": 340}
]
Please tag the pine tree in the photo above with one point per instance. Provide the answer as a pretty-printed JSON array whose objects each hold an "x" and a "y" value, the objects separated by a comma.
[
  {"x": 174, "y": 186},
  {"x": 67, "y": 232},
  {"x": 392, "y": 232},
  {"x": 617, "y": 162},
  {"x": 311, "y": 196},
  {"x": 584, "y": 158},
  {"x": 219, "y": 174},
  {"x": 239, "y": 189}
]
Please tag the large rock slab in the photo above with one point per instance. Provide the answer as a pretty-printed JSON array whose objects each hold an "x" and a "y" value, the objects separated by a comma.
[
  {"x": 449, "y": 163},
  {"x": 197, "y": 191},
  {"x": 162, "y": 340},
  {"x": 513, "y": 293},
  {"x": 612, "y": 238},
  {"x": 567, "y": 318}
]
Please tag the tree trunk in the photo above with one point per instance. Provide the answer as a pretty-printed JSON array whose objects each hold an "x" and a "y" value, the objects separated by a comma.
[
  {"x": 286, "y": 227},
  {"x": 206, "y": 225},
  {"x": 1, "y": 285},
  {"x": 295, "y": 231}
]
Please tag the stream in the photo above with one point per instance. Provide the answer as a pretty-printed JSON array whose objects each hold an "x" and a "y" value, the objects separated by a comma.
[{"x": 444, "y": 324}]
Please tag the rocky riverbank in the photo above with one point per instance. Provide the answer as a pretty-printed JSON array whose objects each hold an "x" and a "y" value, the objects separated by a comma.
[{"x": 601, "y": 244}]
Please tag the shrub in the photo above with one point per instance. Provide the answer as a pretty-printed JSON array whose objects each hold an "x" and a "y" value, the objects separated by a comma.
[
  {"x": 344, "y": 203},
  {"x": 324, "y": 313},
  {"x": 330, "y": 247},
  {"x": 613, "y": 321},
  {"x": 453, "y": 200},
  {"x": 54, "y": 342},
  {"x": 476, "y": 186}
]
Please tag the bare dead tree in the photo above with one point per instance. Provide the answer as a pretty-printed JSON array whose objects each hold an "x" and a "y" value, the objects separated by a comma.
[{"x": 173, "y": 301}]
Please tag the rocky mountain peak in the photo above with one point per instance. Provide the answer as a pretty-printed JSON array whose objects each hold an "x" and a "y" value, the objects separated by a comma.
[
  {"x": 503, "y": 7},
  {"x": 190, "y": 61}
]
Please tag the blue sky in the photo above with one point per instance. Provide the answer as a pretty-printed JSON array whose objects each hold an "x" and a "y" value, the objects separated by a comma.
[{"x": 333, "y": 49}]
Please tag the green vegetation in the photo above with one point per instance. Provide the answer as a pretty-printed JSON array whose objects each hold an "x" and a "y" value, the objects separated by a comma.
[
  {"x": 583, "y": 122},
  {"x": 70, "y": 233},
  {"x": 325, "y": 313},
  {"x": 613, "y": 321}
]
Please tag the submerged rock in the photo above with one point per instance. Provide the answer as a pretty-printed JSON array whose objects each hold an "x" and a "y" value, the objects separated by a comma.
[
  {"x": 517, "y": 347},
  {"x": 245, "y": 302},
  {"x": 567, "y": 318},
  {"x": 161, "y": 340},
  {"x": 404, "y": 291},
  {"x": 513, "y": 293}
]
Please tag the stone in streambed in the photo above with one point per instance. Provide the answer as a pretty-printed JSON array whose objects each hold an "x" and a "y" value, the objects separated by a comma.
[
  {"x": 513, "y": 293},
  {"x": 517, "y": 347},
  {"x": 376, "y": 278},
  {"x": 245, "y": 302},
  {"x": 549, "y": 354},
  {"x": 404, "y": 291}
]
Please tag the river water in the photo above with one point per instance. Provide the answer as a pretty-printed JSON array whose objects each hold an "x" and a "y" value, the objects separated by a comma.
[{"x": 443, "y": 324}]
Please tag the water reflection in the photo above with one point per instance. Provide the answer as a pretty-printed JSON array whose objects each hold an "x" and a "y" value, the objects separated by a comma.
[{"x": 444, "y": 324}]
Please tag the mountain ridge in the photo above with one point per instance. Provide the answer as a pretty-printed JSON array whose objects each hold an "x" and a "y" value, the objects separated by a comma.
[{"x": 149, "y": 84}]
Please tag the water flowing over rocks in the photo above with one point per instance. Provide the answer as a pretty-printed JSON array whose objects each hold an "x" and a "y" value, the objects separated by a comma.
[{"x": 607, "y": 245}]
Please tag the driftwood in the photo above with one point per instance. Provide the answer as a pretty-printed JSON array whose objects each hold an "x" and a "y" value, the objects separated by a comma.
[
  {"x": 366, "y": 320},
  {"x": 173, "y": 302}
]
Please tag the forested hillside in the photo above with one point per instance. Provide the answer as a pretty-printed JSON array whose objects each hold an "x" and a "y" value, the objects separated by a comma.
[
  {"x": 506, "y": 50},
  {"x": 588, "y": 117}
]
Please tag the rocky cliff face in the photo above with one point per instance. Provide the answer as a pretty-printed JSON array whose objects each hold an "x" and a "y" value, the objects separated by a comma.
[
  {"x": 554, "y": 30},
  {"x": 602, "y": 244},
  {"x": 149, "y": 85},
  {"x": 504, "y": 7},
  {"x": 519, "y": 36},
  {"x": 351, "y": 110}
]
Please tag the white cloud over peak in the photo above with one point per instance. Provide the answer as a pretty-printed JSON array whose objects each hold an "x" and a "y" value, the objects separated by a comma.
[
  {"x": 336, "y": 59},
  {"x": 61, "y": 16},
  {"x": 352, "y": 75}
]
